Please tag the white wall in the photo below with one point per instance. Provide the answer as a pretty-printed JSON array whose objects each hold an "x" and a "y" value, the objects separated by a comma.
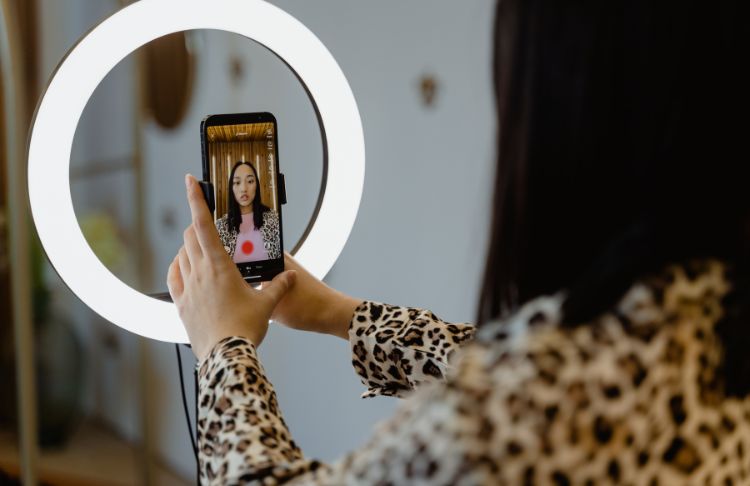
[{"x": 420, "y": 235}]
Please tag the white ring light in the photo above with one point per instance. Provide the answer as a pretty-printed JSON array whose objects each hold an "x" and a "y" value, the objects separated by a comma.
[{"x": 85, "y": 67}]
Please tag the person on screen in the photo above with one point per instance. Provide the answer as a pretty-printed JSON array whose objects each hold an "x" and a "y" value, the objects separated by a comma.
[{"x": 249, "y": 230}]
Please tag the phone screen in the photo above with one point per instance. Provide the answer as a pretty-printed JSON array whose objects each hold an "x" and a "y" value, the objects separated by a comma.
[{"x": 243, "y": 168}]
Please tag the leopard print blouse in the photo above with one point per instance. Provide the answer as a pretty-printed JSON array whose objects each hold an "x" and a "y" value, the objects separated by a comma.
[
  {"x": 629, "y": 399},
  {"x": 269, "y": 231}
]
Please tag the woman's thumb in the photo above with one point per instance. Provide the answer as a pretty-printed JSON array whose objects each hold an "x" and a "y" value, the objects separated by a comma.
[{"x": 280, "y": 284}]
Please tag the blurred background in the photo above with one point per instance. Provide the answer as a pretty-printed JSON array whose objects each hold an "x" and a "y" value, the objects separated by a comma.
[{"x": 108, "y": 406}]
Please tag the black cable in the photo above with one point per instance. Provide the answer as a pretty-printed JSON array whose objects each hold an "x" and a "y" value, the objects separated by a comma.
[
  {"x": 197, "y": 460},
  {"x": 184, "y": 402}
]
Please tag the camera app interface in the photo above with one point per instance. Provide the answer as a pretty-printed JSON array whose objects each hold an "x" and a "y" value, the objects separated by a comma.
[{"x": 242, "y": 161}]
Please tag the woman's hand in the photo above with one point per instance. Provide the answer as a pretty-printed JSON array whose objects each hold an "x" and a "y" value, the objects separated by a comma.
[
  {"x": 311, "y": 305},
  {"x": 212, "y": 298}
]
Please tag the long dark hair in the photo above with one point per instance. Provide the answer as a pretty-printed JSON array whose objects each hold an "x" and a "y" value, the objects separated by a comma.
[
  {"x": 620, "y": 150},
  {"x": 234, "y": 216}
]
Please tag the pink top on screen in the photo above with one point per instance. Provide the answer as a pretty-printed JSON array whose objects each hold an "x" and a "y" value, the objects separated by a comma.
[{"x": 249, "y": 242}]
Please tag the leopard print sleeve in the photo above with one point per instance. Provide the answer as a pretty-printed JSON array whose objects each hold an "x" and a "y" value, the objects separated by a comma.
[
  {"x": 446, "y": 432},
  {"x": 242, "y": 436},
  {"x": 395, "y": 349}
]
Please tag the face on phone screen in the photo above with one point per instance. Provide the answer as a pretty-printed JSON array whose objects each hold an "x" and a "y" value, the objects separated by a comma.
[{"x": 242, "y": 165}]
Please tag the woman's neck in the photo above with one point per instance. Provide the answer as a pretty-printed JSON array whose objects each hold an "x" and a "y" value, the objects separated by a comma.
[{"x": 246, "y": 209}]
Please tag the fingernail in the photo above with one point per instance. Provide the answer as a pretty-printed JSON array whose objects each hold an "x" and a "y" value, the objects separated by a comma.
[{"x": 187, "y": 181}]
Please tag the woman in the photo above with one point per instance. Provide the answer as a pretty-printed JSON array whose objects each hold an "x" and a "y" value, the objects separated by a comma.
[
  {"x": 613, "y": 323},
  {"x": 250, "y": 229}
]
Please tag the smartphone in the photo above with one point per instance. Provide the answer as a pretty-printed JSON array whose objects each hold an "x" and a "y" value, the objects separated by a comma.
[{"x": 245, "y": 190}]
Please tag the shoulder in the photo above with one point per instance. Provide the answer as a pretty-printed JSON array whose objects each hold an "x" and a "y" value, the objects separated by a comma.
[
  {"x": 603, "y": 379},
  {"x": 650, "y": 304},
  {"x": 627, "y": 339},
  {"x": 536, "y": 315},
  {"x": 270, "y": 217}
]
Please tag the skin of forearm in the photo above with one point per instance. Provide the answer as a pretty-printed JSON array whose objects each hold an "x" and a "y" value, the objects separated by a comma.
[{"x": 340, "y": 313}]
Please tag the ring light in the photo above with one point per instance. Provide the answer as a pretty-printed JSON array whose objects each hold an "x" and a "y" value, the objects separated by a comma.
[{"x": 85, "y": 67}]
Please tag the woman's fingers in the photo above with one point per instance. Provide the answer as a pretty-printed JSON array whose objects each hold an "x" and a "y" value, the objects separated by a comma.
[
  {"x": 192, "y": 245},
  {"x": 205, "y": 229},
  {"x": 279, "y": 286},
  {"x": 174, "y": 280},
  {"x": 184, "y": 264}
]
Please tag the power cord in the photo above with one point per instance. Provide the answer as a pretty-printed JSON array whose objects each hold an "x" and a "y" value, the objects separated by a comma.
[{"x": 185, "y": 406}]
